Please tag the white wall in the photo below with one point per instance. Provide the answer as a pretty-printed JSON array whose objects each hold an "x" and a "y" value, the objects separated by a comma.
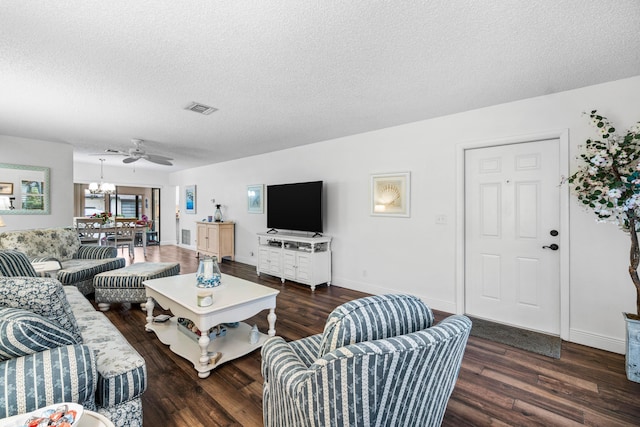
[
  {"x": 118, "y": 173},
  {"x": 56, "y": 156},
  {"x": 415, "y": 254}
]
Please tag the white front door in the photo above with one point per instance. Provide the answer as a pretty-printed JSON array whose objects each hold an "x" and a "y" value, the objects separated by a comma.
[{"x": 512, "y": 219}]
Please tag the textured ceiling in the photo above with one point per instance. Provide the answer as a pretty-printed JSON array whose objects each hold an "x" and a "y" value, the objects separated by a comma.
[{"x": 96, "y": 74}]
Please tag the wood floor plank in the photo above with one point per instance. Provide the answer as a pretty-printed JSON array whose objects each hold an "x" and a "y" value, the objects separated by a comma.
[{"x": 498, "y": 385}]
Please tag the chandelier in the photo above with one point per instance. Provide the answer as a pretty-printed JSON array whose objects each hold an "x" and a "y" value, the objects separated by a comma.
[{"x": 103, "y": 187}]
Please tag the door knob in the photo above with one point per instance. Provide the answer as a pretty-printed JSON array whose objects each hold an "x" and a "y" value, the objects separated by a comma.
[{"x": 552, "y": 246}]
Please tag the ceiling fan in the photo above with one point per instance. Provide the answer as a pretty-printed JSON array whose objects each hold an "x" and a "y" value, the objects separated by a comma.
[{"x": 138, "y": 152}]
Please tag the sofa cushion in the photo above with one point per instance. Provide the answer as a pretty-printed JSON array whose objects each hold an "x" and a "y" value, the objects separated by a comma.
[
  {"x": 78, "y": 302},
  {"x": 23, "y": 332},
  {"x": 40, "y": 295},
  {"x": 96, "y": 252},
  {"x": 122, "y": 374},
  {"x": 373, "y": 318},
  {"x": 60, "y": 243},
  {"x": 79, "y": 270},
  {"x": 15, "y": 263},
  {"x": 62, "y": 374}
]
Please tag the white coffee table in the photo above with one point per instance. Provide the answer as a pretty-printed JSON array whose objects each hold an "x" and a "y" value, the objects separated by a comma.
[
  {"x": 93, "y": 419},
  {"x": 88, "y": 419},
  {"x": 234, "y": 300}
]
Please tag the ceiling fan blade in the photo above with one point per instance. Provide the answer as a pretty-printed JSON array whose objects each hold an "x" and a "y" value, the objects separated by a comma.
[
  {"x": 130, "y": 159},
  {"x": 161, "y": 160}
]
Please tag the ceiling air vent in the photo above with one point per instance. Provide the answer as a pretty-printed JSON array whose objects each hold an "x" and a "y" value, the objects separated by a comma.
[{"x": 200, "y": 108}]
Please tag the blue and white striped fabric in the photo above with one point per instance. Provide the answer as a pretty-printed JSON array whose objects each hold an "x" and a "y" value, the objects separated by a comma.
[
  {"x": 23, "y": 332},
  {"x": 403, "y": 380},
  {"x": 15, "y": 264},
  {"x": 95, "y": 252},
  {"x": 62, "y": 374},
  {"x": 373, "y": 318}
]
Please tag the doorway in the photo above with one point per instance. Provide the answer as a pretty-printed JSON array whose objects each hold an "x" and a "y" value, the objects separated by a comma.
[
  {"x": 513, "y": 253},
  {"x": 127, "y": 201}
]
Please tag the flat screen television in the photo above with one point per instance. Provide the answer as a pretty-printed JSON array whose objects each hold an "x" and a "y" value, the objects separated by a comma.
[{"x": 295, "y": 207}]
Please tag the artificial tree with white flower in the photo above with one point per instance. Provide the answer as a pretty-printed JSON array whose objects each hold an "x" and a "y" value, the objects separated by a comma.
[{"x": 608, "y": 182}]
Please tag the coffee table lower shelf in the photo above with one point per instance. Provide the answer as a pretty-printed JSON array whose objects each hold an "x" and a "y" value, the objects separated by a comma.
[{"x": 233, "y": 345}]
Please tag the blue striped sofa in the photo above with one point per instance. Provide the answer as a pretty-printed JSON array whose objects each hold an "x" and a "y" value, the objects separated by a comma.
[
  {"x": 380, "y": 361},
  {"x": 80, "y": 263},
  {"x": 94, "y": 366}
]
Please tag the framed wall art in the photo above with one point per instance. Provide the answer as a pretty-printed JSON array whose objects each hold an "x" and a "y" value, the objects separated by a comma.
[
  {"x": 190, "y": 199},
  {"x": 390, "y": 194},
  {"x": 255, "y": 198}
]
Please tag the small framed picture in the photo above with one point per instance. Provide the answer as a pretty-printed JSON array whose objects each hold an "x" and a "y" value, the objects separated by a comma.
[
  {"x": 6, "y": 188},
  {"x": 190, "y": 199},
  {"x": 255, "y": 198},
  {"x": 390, "y": 194}
]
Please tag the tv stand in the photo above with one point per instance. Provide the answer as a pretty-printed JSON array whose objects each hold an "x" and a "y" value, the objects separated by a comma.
[{"x": 297, "y": 258}]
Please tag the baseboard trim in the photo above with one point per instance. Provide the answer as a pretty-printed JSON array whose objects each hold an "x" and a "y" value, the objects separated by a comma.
[{"x": 597, "y": 341}]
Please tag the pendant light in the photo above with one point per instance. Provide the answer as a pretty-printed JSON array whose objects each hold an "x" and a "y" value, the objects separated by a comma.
[{"x": 103, "y": 187}]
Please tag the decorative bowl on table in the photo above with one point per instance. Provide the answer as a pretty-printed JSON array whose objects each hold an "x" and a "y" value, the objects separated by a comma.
[{"x": 59, "y": 414}]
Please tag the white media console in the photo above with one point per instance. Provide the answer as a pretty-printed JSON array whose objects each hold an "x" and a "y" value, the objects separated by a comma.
[{"x": 293, "y": 257}]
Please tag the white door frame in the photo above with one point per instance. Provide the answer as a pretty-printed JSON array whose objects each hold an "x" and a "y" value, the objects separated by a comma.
[{"x": 563, "y": 137}]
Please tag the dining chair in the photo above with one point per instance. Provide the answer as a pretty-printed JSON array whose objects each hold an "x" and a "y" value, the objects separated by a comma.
[
  {"x": 89, "y": 230},
  {"x": 124, "y": 235}
]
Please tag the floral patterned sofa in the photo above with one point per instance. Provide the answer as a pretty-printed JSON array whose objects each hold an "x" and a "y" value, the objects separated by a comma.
[
  {"x": 55, "y": 347},
  {"x": 80, "y": 263}
]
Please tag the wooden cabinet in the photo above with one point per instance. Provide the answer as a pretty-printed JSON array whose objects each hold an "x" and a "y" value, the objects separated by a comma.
[
  {"x": 216, "y": 239},
  {"x": 298, "y": 258}
]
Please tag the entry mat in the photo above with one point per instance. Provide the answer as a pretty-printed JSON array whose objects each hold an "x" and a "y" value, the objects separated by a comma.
[{"x": 536, "y": 342}]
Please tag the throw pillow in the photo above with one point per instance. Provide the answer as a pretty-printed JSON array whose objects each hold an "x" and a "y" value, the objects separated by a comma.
[
  {"x": 15, "y": 263},
  {"x": 23, "y": 332},
  {"x": 40, "y": 295}
]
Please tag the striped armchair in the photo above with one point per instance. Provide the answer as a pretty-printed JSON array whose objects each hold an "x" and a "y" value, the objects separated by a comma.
[{"x": 379, "y": 361}]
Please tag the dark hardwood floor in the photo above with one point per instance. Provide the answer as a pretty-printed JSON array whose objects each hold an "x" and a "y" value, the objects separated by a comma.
[{"x": 498, "y": 385}]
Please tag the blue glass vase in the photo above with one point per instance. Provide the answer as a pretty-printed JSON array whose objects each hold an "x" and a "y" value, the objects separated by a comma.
[{"x": 208, "y": 275}]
